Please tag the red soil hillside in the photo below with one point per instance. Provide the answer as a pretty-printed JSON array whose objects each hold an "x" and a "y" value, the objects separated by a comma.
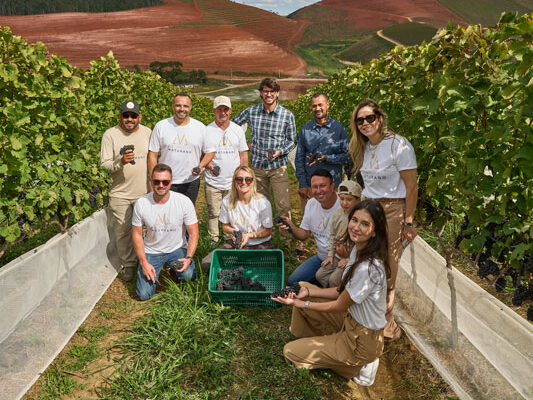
[
  {"x": 377, "y": 14},
  {"x": 203, "y": 34}
]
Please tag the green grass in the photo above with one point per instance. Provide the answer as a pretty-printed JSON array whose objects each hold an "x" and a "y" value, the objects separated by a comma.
[
  {"x": 320, "y": 55},
  {"x": 410, "y": 33},
  {"x": 365, "y": 50},
  {"x": 486, "y": 12},
  {"x": 327, "y": 31}
]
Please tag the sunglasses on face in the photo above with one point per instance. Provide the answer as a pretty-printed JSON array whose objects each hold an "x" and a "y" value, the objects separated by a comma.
[
  {"x": 248, "y": 179},
  {"x": 164, "y": 182},
  {"x": 369, "y": 118},
  {"x": 129, "y": 115}
]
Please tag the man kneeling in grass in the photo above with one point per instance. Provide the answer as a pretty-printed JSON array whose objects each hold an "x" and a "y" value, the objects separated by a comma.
[{"x": 166, "y": 215}]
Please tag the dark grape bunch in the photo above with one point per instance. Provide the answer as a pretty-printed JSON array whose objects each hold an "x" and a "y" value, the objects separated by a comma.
[
  {"x": 216, "y": 170},
  {"x": 461, "y": 235},
  {"x": 125, "y": 148},
  {"x": 270, "y": 154},
  {"x": 520, "y": 295},
  {"x": 313, "y": 157},
  {"x": 285, "y": 292},
  {"x": 487, "y": 267},
  {"x": 233, "y": 279},
  {"x": 173, "y": 268},
  {"x": 530, "y": 313},
  {"x": 527, "y": 262},
  {"x": 196, "y": 170},
  {"x": 501, "y": 283},
  {"x": 237, "y": 235},
  {"x": 279, "y": 220}
]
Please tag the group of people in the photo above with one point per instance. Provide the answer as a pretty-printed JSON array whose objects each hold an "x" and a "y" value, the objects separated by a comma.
[{"x": 343, "y": 311}]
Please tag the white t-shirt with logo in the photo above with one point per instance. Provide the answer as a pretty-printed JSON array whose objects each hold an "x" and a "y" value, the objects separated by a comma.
[
  {"x": 368, "y": 289},
  {"x": 251, "y": 217},
  {"x": 382, "y": 164},
  {"x": 165, "y": 223},
  {"x": 229, "y": 143},
  {"x": 317, "y": 220},
  {"x": 180, "y": 146}
]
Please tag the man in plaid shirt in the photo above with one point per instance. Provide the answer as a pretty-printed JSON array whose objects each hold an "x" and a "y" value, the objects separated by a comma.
[{"x": 273, "y": 137}]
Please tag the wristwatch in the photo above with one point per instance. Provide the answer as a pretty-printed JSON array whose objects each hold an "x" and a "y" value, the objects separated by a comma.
[
  {"x": 306, "y": 306},
  {"x": 189, "y": 257},
  {"x": 408, "y": 224}
]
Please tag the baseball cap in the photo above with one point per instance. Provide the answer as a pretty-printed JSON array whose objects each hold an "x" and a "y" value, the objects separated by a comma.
[
  {"x": 222, "y": 101},
  {"x": 350, "y": 187},
  {"x": 130, "y": 106}
]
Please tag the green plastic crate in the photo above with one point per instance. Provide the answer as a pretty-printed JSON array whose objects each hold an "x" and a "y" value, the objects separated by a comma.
[{"x": 265, "y": 266}]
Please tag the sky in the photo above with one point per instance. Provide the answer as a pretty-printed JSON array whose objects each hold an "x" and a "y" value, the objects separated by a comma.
[{"x": 282, "y": 7}]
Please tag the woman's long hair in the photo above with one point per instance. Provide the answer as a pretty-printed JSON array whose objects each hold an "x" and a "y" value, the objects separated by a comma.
[
  {"x": 234, "y": 194},
  {"x": 377, "y": 247},
  {"x": 358, "y": 140}
]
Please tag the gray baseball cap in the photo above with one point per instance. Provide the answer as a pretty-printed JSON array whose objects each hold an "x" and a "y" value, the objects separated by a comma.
[
  {"x": 221, "y": 101},
  {"x": 350, "y": 187}
]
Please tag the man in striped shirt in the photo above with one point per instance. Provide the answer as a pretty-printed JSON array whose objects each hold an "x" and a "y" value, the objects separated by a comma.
[{"x": 273, "y": 137}]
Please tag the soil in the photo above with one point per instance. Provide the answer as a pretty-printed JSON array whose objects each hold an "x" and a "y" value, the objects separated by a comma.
[{"x": 175, "y": 31}]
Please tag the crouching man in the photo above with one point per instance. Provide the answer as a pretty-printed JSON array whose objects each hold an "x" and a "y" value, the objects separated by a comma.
[{"x": 166, "y": 215}]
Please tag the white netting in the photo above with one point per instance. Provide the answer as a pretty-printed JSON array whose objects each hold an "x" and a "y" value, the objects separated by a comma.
[
  {"x": 46, "y": 294},
  {"x": 477, "y": 343}
]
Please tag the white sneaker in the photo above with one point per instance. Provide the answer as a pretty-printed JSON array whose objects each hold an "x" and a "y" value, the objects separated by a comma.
[{"x": 366, "y": 376}]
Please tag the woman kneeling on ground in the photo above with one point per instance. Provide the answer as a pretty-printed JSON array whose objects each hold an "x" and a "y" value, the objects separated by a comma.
[
  {"x": 245, "y": 210},
  {"x": 342, "y": 328}
]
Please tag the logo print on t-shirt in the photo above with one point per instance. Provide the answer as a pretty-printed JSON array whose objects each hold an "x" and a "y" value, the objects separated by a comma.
[
  {"x": 161, "y": 220},
  {"x": 323, "y": 225},
  {"x": 373, "y": 163},
  {"x": 225, "y": 141},
  {"x": 242, "y": 220},
  {"x": 180, "y": 139}
]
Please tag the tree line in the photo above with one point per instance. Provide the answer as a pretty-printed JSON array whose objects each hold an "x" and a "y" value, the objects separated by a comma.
[{"x": 30, "y": 7}]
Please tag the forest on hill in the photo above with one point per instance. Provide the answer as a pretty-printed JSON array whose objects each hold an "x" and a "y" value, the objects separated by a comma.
[{"x": 30, "y": 7}]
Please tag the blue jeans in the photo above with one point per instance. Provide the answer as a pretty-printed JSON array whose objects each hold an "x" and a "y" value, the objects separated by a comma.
[
  {"x": 146, "y": 288},
  {"x": 306, "y": 271}
]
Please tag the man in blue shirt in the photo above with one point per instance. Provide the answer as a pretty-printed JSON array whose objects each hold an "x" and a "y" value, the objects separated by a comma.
[
  {"x": 323, "y": 143},
  {"x": 273, "y": 137}
]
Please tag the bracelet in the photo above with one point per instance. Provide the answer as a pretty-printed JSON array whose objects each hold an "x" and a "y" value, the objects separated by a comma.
[
  {"x": 306, "y": 306},
  {"x": 308, "y": 292}
]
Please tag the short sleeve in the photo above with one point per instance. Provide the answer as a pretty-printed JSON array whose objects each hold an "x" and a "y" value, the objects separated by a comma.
[
  {"x": 363, "y": 281},
  {"x": 189, "y": 214},
  {"x": 136, "y": 219},
  {"x": 154, "y": 145},
  {"x": 209, "y": 143},
  {"x": 265, "y": 213},
  {"x": 405, "y": 157},
  {"x": 306, "y": 220},
  {"x": 243, "y": 146},
  {"x": 224, "y": 215}
]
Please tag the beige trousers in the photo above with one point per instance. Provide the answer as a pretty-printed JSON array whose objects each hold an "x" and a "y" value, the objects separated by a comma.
[
  {"x": 213, "y": 198},
  {"x": 331, "y": 340},
  {"x": 279, "y": 180},
  {"x": 122, "y": 211},
  {"x": 395, "y": 214},
  {"x": 330, "y": 275}
]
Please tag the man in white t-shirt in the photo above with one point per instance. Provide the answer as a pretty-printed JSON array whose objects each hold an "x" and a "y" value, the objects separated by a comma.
[
  {"x": 180, "y": 142},
  {"x": 316, "y": 221},
  {"x": 231, "y": 151},
  {"x": 166, "y": 215}
]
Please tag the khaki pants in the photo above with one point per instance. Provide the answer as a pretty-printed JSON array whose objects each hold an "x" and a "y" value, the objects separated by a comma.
[
  {"x": 331, "y": 340},
  {"x": 122, "y": 211},
  {"x": 279, "y": 180},
  {"x": 330, "y": 275},
  {"x": 395, "y": 214},
  {"x": 213, "y": 198}
]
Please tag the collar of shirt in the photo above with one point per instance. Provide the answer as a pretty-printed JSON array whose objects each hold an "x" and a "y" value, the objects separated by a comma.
[
  {"x": 274, "y": 111},
  {"x": 327, "y": 124}
]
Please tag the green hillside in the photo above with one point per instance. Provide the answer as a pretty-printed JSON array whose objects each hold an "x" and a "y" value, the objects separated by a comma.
[
  {"x": 410, "y": 33},
  {"x": 486, "y": 12},
  {"x": 365, "y": 50}
]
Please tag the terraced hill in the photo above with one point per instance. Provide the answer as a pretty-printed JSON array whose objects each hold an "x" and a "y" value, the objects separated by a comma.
[{"x": 211, "y": 35}]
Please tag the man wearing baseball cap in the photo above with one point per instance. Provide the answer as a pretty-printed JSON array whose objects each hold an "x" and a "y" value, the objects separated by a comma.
[
  {"x": 123, "y": 153},
  {"x": 231, "y": 151}
]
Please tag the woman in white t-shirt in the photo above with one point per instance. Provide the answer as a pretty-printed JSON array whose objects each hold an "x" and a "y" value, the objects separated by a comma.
[
  {"x": 387, "y": 163},
  {"x": 342, "y": 328},
  {"x": 246, "y": 210}
]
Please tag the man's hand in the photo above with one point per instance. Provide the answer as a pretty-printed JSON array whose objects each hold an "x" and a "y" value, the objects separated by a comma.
[
  {"x": 186, "y": 263},
  {"x": 196, "y": 171},
  {"x": 149, "y": 271},
  {"x": 409, "y": 233},
  {"x": 287, "y": 226},
  {"x": 276, "y": 154},
  {"x": 128, "y": 157},
  {"x": 304, "y": 193},
  {"x": 328, "y": 260},
  {"x": 245, "y": 237}
]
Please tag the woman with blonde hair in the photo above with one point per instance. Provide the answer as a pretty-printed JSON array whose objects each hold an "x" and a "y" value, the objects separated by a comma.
[
  {"x": 245, "y": 210},
  {"x": 387, "y": 164}
]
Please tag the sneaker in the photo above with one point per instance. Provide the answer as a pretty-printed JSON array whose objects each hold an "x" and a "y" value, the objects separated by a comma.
[
  {"x": 367, "y": 374},
  {"x": 128, "y": 274}
]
